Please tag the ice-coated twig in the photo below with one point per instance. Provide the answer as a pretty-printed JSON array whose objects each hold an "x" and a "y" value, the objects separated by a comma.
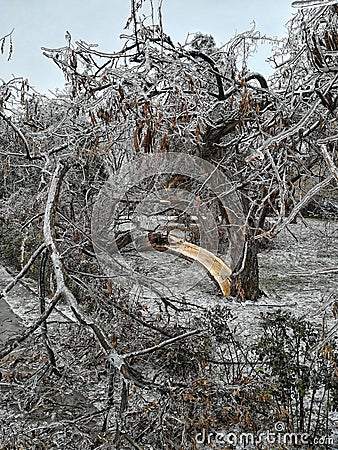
[
  {"x": 312, "y": 3},
  {"x": 22, "y": 272},
  {"x": 162, "y": 344}
]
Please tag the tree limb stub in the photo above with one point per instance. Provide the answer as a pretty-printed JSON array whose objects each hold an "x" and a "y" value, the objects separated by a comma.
[{"x": 216, "y": 267}]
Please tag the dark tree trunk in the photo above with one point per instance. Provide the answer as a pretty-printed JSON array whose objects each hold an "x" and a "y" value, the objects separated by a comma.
[{"x": 245, "y": 281}]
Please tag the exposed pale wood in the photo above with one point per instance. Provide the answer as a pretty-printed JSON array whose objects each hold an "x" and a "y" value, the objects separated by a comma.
[{"x": 216, "y": 267}]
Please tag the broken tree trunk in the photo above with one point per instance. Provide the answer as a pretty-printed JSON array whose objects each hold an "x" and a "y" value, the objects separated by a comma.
[
  {"x": 219, "y": 271},
  {"x": 216, "y": 267},
  {"x": 109, "y": 234}
]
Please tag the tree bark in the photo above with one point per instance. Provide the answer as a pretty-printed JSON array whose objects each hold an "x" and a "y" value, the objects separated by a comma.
[{"x": 245, "y": 279}]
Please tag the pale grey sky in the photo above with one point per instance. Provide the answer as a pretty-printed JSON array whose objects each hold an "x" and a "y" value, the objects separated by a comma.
[{"x": 42, "y": 23}]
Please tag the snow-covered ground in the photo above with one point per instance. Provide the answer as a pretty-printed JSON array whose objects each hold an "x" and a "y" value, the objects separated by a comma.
[{"x": 299, "y": 272}]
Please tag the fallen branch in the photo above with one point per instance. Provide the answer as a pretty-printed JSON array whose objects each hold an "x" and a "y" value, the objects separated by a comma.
[
  {"x": 315, "y": 272},
  {"x": 42, "y": 298},
  {"x": 62, "y": 289},
  {"x": 216, "y": 267}
]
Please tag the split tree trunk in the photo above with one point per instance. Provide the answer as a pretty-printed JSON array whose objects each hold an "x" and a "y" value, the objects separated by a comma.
[{"x": 245, "y": 278}]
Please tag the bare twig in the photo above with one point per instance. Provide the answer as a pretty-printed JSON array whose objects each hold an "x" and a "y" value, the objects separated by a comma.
[
  {"x": 305, "y": 200},
  {"x": 162, "y": 344},
  {"x": 19, "y": 133},
  {"x": 16, "y": 341},
  {"x": 22, "y": 272}
]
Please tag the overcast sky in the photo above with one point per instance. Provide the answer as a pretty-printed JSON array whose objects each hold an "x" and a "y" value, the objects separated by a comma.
[{"x": 43, "y": 23}]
